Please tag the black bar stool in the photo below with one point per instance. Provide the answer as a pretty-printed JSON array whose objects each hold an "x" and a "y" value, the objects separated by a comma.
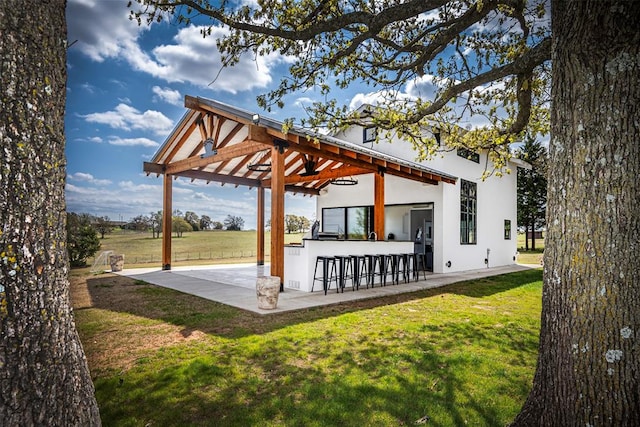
[
  {"x": 371, "y": 261},
  {"x": 328, "y": 272},
  {"x": 359, "y": 269},
  {"x": 345, "y": 271},
  {"x": 384, "y": 262},
  {"x": 404, "y": 260},
  {"x": 422, "y": 265},
  {"x": 396, "y": 261},
  {"x": 412, "y": 265}
]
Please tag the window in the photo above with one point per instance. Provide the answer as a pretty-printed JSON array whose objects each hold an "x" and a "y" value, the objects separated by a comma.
[
  {"x": 468, "y": 212},
  {"x": 369, "y": 134},
  {"x": 468, "y": 154},
  {"x": 352, "y": 222},
  {"x": 507, "y": 229}
]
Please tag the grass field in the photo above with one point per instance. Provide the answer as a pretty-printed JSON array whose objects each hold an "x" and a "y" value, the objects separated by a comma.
[
  {"x": 200, "y": 246},
  {"x": 460, "y": 355}
]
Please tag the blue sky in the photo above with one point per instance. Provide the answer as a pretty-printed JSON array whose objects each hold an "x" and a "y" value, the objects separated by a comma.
[{"x": 125, "y": 92}]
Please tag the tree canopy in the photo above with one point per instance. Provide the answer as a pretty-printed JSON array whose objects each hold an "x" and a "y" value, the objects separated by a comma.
[{"x": 486, "y": 58}]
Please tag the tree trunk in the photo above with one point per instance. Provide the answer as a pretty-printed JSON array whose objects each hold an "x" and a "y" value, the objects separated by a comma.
[
  {"x": 588, "y": 371},
  {"x": 44, "y": 378},
  {"x": 533, "y": 234},
  {"x": 526, "y": 236}
]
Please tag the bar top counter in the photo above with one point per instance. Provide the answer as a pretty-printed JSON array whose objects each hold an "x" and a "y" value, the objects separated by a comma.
[{"x": 300, "y": 259}]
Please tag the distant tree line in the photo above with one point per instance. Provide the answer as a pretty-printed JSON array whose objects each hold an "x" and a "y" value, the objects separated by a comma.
[
  {"x": 84, "y": 231},
  {"x": 294, "y": 224},
  {"x": 183, "y": 222}
]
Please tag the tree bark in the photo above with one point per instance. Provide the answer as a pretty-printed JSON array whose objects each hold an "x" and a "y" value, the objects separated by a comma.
[
  {"x": 44, "y": 378},
  {"x": 588, "y": 371}
]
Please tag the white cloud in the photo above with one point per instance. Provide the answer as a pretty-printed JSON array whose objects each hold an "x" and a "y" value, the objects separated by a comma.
[
  {"x": 375, "y": 98},
  {"x": 130, "y": 142},
  {"x": 128, "y": 118},
  {"x": 303, "y": 101},
  {"x": 88, "y": 87},
  {"x": 101, "y": 28},
  {"x": 167, "y": 95},
  {"x": 87, "y": 177},
  {"x": 104, "y": 31}
]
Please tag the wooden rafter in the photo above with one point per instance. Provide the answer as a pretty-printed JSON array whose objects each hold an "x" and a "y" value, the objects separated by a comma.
[{"x": 224, "y": 153}]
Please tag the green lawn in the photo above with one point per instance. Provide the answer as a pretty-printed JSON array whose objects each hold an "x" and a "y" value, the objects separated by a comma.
[
  {"x": 192, "y": 247},
  {"x": 460, "y": 355}
]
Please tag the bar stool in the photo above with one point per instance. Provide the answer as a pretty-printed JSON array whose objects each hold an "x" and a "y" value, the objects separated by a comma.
[
  {"x": 384, "y": 262},
  {"x": 396, "y": 260},
  {"x": 328, "y": 272},
  {"x": 359, "y": 269},
  {"x": 404, "y": 259},
  {"x": 412, "y": 265},
  {"x": 343, "y": 265},
  {"x": 371, "y": 261},
  {"x": 422, "y": 263}
]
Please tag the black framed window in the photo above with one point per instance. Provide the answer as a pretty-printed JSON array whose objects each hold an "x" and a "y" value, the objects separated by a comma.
[
  {"x": 369, "y": 134},
  {"x": 354, "y": 222},
  {"x": 468, "y": 212},
  {"x": 468, "y": 154},
  {"x": 507, "y": 229}
]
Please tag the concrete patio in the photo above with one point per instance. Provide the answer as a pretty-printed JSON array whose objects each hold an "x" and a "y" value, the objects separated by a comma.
[{"x": 234, "y": 285}]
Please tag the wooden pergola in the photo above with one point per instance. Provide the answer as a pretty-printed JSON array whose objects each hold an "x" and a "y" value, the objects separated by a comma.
[{"x": 216, "y": 142}]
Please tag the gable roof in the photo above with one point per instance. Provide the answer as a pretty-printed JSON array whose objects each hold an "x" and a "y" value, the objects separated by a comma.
[{"x": 217, "y": 142}]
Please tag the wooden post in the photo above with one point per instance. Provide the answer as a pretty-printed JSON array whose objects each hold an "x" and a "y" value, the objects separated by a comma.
[
  {"x": 378, "y": 204},
  {"x": 166, "y": 222},
  {"x": 260, "y": 226},
  {"x": 277, "y": 214}
]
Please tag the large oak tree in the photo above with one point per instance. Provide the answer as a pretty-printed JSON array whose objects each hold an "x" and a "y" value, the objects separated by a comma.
[
  {"x": 508, "y": 62},
  {"x": 44, "y": 378}
]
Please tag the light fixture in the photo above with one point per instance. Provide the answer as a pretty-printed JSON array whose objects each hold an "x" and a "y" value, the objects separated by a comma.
[
  {"x": 344, "y": 181},
  {"x": 255, "y": 119},
  {"x": 259, "y": 167},
  {"x": 309, "y": 168}
]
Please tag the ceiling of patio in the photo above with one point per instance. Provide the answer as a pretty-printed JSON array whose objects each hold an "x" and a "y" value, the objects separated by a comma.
[{"x": 216, "y": 142}]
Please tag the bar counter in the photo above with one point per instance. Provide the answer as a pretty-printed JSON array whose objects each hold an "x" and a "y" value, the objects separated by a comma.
[{"x": 300, "y": 260}]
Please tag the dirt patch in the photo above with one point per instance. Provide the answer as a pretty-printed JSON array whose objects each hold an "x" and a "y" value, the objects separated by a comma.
[{"x": 131, "y": 329}]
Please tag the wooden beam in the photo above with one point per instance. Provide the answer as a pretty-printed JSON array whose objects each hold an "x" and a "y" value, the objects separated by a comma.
[
  {"x": 167, "y": 211},
  {"x": 224, "y": 153},
  {"x": 353, "y": 158},
  {"x": 260, "y": 226},
  {"x": 277, "y": 215},
  {"x": 225, "y": 179},
  {"x": 296, "y": 189},
  {"x": 156, "y": 168},
  {"x": 378, "y": 205},
  {"x": 184, "y": 128},
  {"x": 194, "y": 103},
  {"x": 338, "y": 172}
]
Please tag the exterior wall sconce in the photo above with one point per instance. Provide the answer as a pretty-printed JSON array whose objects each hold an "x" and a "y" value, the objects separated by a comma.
[{"x": 344, "y": 181}]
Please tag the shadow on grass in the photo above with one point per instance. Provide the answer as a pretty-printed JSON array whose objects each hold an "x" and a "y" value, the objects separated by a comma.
[
  {"x": 126, "y": 295},
  {"x": 371, "y": 362},
  {"x": 392, "y": 382}
]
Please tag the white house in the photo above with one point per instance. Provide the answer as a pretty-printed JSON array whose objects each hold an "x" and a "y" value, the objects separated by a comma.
[
  {"x": 463, "y": 226},
  {"x": 441, "y": 207}
]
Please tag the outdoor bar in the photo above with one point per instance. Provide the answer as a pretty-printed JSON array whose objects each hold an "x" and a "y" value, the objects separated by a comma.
[
  {"x": 300, "y": 260},
  {"x": 215, "y": 142}
]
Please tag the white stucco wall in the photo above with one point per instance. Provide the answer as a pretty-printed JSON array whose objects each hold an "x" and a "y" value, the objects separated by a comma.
[{"x": 496, "y": 202}]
